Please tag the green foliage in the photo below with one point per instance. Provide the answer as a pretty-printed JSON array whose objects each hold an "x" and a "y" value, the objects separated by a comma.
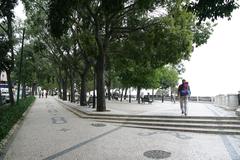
[
  {"x": 6, "y": 8},
  {"x": 59, "y": 15},
  {"x": 148, "y": 5},
  {"x": 112, "y": 6},
  {"x": 9, "y": 115},
  {"x": 145, "y": 51},
  {"x": 212, "y": 9},
  {"x": 202, "y": 33},
  {"x": 6, "y": 18},
  {"x": 172, "y": 38},
  {"x": 35, "y": 67},
  {"x": 28, "y": 69},
  {"x": 4, "y": 48},
  {"x": 168, "y": 77}
]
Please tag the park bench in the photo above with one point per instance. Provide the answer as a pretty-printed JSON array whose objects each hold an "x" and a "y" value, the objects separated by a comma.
[
  {"x": 146, "y": 99},
  {"x": 115, "y": 96}
]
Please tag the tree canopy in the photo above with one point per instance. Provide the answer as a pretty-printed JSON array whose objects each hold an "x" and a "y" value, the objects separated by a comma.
[
  {"x": 213, "y": 9},
  {"x": 131, "y": 43}
]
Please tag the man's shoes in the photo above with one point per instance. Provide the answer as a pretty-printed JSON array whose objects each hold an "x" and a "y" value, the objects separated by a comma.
[{"x": 185, "y": 114}]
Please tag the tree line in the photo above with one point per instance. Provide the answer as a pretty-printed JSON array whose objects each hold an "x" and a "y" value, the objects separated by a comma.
[{"x": 124, "y": 43}]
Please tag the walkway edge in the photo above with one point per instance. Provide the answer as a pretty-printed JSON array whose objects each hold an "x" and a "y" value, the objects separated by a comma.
[{"x": 4, "y": 144}]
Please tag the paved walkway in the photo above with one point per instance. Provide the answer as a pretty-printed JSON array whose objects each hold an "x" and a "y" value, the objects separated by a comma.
[{"x": 51, "y": 132}]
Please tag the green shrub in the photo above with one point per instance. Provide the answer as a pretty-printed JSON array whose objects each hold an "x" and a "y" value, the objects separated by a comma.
[{"x": 11, "y": 114}]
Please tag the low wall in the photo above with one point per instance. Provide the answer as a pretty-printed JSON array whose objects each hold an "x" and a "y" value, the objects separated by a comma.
[
  {"x": 229, "y": 101},
  {"x": 191, "y": 98},
  {"x": 201, "y": 99}
]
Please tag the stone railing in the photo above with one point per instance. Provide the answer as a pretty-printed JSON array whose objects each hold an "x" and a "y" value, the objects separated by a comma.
[
  {"x": 201, "y": 99},
  {"x": 229, "y": 101},
  {"x": 191, "y": 98}
]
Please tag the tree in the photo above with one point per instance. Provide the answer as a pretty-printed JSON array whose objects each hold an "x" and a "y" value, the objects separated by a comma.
[
  {"x": 106, "y": 19},
  {"x": 205, "y": 9},
  {"x": 143, "y": 51},
  {"x": 110, "y": 19},
  {"x": 72, "y": 54},
  {"x": 6, "y": 29}
]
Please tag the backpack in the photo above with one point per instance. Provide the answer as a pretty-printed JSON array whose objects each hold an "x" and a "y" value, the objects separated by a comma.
[{"x": 184, "y": 89}]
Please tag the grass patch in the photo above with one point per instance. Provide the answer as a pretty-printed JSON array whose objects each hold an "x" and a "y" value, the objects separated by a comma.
[{"x": 9, "y": 115}]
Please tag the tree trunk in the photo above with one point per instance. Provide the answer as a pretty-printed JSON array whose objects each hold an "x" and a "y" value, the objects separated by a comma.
[
  {"x": 101, "y": 103},
  {"x": 125, "y": 95},
  {"x": 130, "y": 96},
  {"x": 33, "y": 89},
  {"x": 64, "y": 84},
  {"x": 72, "y": 86},
  {"x": 109, "y": 89},
  {"x": 162, "y": 97},
  {"x": 60, "y": 88},
  {"x": 138, "y": 94},
  {"x": 11, "y": 65},
  {"x": 9, "y": 80},
  {"x": 83, "y": 91},
  {"x": 23, "y": 90},
  {"x": 60, "y": 79},
  {"x": 122, "y": 94},
  {"x": 152, "y": 94}
]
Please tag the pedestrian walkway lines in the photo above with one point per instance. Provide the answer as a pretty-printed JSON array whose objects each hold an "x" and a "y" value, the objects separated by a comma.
[
  {"x": 80, "y": 145},
  {"x": 230, "y": 148},
  {"x": 40, "y": 138}
]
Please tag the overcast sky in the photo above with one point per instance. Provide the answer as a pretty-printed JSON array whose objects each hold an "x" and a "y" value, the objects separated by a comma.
[{"x": 214, "y": 68}]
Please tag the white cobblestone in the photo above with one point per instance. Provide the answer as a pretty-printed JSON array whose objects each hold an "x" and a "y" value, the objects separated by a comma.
[{"x": 73, "y": 138}]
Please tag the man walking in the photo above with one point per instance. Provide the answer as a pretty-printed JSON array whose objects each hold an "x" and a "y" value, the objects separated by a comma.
[{"x": 183, "y": 93}]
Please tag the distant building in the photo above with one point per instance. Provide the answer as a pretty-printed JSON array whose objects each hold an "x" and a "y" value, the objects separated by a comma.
[
  {"x": 3, "y": 82},
  {"x": 3, "y": 77}
]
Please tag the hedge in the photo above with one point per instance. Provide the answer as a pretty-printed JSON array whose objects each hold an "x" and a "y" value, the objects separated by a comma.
[{"x": 9, "y": 115}]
